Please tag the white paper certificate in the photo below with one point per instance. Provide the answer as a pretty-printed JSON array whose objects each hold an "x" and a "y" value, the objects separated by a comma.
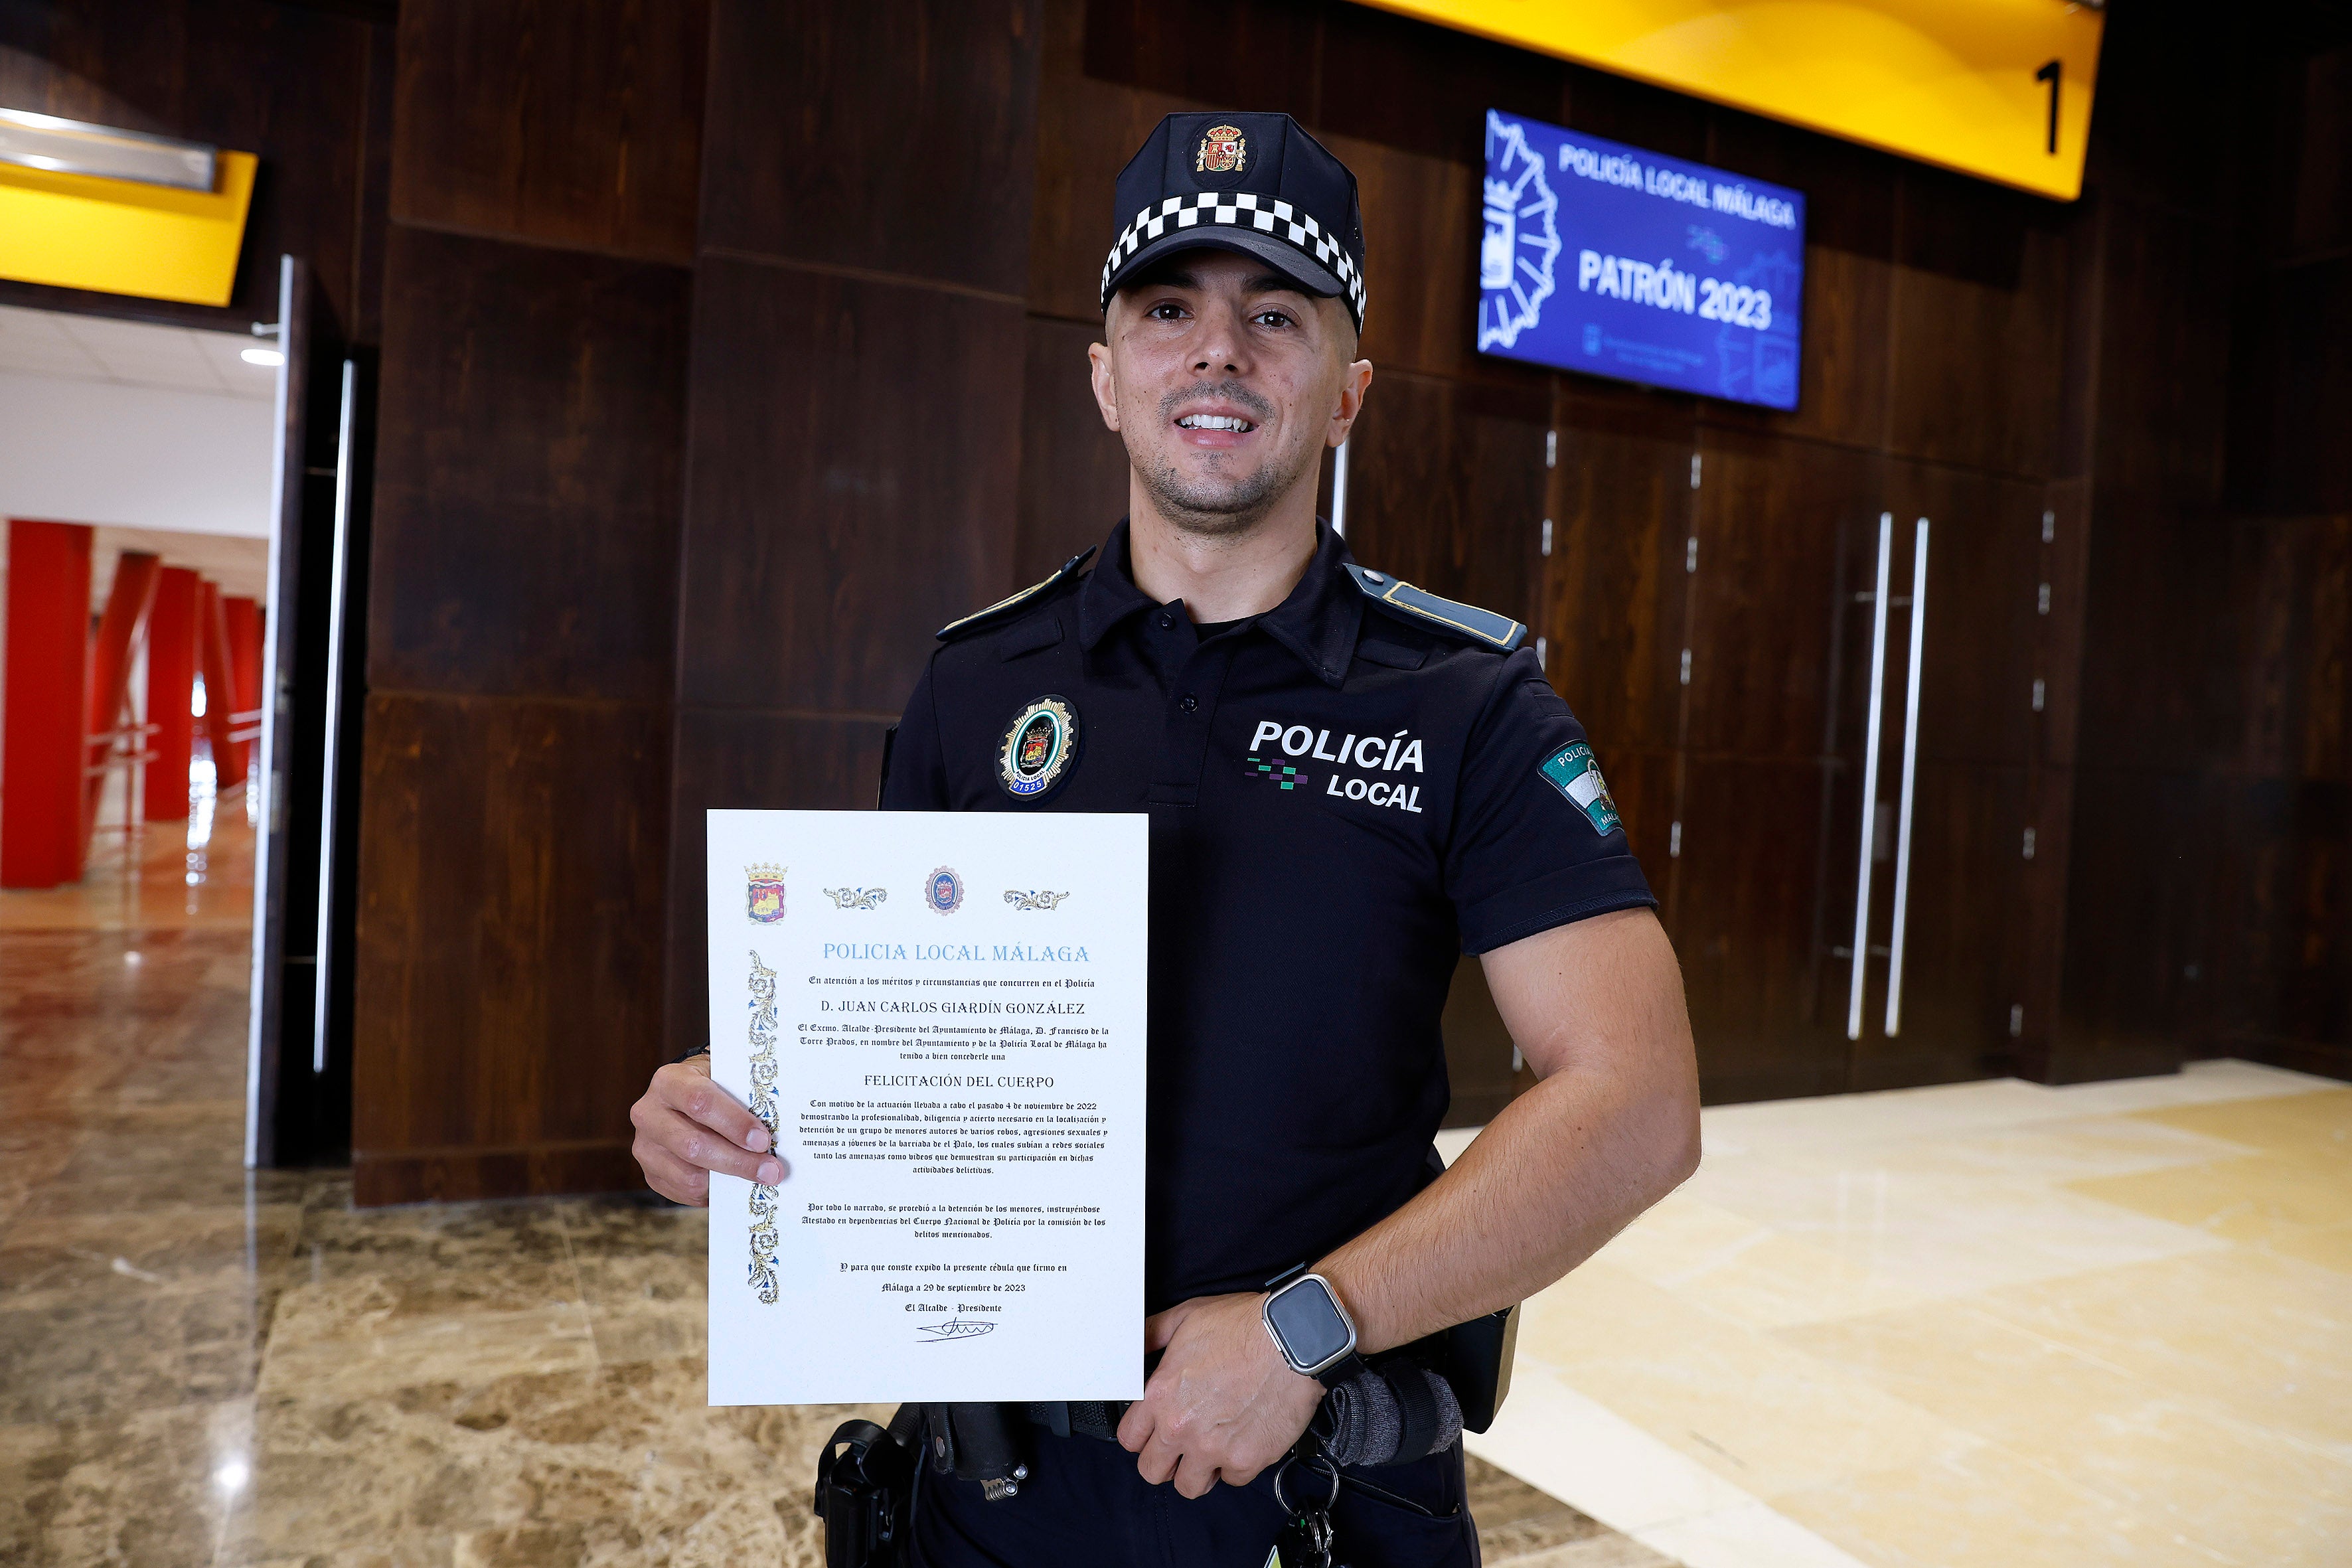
[{"x": 941, "y": 1016}]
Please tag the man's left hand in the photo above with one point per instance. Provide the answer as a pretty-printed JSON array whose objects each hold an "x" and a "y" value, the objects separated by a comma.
[{"x": 1223, "y": 1404}]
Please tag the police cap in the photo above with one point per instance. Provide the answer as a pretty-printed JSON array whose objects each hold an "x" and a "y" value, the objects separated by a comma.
[{"x": 1254, "y": 183}]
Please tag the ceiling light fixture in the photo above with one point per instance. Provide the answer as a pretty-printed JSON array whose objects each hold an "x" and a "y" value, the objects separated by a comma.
[{"x": 76, "y": 147}]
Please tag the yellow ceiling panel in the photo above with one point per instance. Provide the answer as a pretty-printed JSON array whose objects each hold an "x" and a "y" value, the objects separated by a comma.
[
  {"x": 120, "y": 237},
  {"x": 1997, "y": 89}
]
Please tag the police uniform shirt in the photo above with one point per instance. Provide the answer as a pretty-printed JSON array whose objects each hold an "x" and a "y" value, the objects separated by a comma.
[{"x": 1342, "y": 795}]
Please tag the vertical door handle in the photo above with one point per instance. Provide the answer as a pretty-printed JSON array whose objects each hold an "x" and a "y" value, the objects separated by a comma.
[
  {"x": 1870, "y": 775},
  {"x": 331, "y": 730},
  {"x": 1910, "y": 768}
]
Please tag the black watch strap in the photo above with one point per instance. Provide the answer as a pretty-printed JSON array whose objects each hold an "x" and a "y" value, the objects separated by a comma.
[{"x": 1345, "y": 1370}]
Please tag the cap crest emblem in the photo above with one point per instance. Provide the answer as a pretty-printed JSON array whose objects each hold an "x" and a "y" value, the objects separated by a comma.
[{"x": 1223, "y": 150}]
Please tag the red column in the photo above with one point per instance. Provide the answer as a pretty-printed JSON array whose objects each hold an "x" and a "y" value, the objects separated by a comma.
[
  {"x": 48, "y": 655},
  {"x": 121, "y": 631},
  {"x": 220, "y": 687},
  {"x": 244, "y": 618},
  {"x": 171, "y": 692}
]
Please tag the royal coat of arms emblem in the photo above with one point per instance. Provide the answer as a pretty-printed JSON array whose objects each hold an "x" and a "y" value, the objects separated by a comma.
[
  {"x": 763, "y": 896},
  {"x": 1223, "y": 150}
]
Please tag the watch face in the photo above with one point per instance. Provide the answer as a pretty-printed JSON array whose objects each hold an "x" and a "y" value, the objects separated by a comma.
[{"x": 1309, "y": 1323}]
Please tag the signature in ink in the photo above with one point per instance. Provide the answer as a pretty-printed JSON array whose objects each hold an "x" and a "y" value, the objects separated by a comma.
[{"x": 955, "y": 1328}]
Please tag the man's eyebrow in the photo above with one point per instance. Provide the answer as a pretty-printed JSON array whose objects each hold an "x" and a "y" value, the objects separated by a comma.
[{"x": 1275, "y": 283}]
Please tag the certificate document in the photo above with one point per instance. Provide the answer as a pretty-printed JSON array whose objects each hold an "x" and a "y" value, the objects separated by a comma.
[{"x": 939, "y": 1017}]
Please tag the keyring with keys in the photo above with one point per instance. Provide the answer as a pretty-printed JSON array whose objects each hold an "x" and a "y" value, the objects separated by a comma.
[{"x": 1306, "y": 1541}]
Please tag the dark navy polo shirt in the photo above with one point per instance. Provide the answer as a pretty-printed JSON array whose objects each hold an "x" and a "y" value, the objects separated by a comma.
[{"x": 1342, "y": 797}]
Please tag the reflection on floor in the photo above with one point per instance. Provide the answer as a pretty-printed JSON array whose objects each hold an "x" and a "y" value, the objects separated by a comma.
[
  {"x": 1987, "y": 1324},
  {"x": 195, "y": 875},
  {"x": 200, "y": 1365}
]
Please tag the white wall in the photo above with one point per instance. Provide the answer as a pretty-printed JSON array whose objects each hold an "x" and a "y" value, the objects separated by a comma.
[{"x": 133, "y": 456}]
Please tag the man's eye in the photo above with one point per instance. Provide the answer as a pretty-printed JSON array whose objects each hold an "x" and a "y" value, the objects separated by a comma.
[
  {"x": 1167, "y": 311},
  {"x": 1271, "y": 319}
]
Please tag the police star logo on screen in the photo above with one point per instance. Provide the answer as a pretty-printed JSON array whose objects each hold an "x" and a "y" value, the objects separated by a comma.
[
  {"x": 764, "y": 893},
  {"x": 1038, "y": 748},
  {"x": 1621, "y": 262},
  {"x": 1522, "y": 239}
]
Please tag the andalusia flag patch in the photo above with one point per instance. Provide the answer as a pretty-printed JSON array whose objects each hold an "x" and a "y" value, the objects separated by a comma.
[{"x": 1574, "y": 772}]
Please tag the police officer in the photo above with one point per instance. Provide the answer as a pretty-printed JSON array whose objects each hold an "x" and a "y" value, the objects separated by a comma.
[{"x": 1348, "y": 781}]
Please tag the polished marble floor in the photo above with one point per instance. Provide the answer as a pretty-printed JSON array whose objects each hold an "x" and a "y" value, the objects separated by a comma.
[
  {"x": 203, "y": 1365},
  {"x": 1987, "y": 1324}
]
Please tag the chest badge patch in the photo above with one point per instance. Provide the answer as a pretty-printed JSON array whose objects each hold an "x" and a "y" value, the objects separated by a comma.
[
  {"x": 1039, "y": 746},
  {"x": 1576, "y": 773}
]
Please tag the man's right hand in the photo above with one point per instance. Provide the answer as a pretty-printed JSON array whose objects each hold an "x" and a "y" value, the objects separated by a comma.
[{"x": 688, "y": 1127}]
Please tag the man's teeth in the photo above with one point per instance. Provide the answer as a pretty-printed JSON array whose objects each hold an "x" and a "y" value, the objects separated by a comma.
[{"x": 1214, "y": 422}]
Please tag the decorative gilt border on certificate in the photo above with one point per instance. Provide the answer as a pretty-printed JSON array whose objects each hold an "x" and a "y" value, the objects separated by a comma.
[{"x": 764, "y": 1108}]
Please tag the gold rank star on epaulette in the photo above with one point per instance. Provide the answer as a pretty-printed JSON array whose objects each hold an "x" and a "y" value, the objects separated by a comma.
[
  {"x": 997, "y": 611},
  {"x": 1484, "y": 627}
]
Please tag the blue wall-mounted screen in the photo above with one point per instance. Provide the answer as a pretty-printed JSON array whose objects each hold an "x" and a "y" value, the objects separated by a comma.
[{"x": 1615, "y": 261}]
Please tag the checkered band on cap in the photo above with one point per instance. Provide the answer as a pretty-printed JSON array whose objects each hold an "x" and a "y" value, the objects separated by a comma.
[{"x": 1240, "y": 208}]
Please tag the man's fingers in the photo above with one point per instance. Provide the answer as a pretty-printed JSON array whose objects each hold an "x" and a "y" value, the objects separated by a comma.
[
  {"x": 1161, "y": 1327},
  {"x": 1158, "y": 1459},
  {"x": 693, "y": 1095},
  {"x": 1135, "y": 1426},
  {"x": 670, "y": 1176},
  {"x": 695, "y": 1144},
  {"x": 1196, "y": 1477}
]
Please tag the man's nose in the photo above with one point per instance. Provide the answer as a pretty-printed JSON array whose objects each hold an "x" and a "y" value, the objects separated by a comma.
[{"x": 1221, "y": 348}]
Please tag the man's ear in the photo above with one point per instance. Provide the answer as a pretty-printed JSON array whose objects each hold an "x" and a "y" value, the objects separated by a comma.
[
  {"x": 1353, "y": 382},
  {"x": 1106, "y": 382}
]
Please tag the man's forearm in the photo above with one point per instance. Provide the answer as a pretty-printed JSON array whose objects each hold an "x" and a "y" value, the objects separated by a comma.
[{"x": 1613, "y": 1128}]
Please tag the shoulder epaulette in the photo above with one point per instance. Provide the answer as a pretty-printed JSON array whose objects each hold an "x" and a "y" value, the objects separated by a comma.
[
  {"x": 1482, "y": 626},
  {"x": 997, "y": 611}
]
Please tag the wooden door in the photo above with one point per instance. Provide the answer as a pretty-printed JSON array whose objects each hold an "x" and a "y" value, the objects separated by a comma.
[
  {"x": 1765, "y": 870},
  {"x": 1961, "y": 936}
]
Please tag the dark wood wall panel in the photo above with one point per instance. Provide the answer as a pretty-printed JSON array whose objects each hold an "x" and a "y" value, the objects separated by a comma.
[
  {"x": 553, "y": 120},
  {"x": 523, "y": 597},
  {"x": 527, "y": 522},
  {"x": 511, "y": 855},
  {"x": 1074, "y": 469},
  {"x": 1087, "y": 131},
  {"x": 295, "y": 85},
  {"x": 1618, "y": 582},
  {"x": 1984, "y": 612},
  {"x": 896, "y": 136},
  {"x": 839, "y": 512},
  {"x": 859, "y": 407},
  {"x": 1784, "y": 528},
  {"x": 1446, "y": 487},
  {"x": 1746, "y": 901},
  {"x": 740, "y": 759}
]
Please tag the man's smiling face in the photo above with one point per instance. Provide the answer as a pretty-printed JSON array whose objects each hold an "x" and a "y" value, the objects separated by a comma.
[{"x": 1226, "y": 380}]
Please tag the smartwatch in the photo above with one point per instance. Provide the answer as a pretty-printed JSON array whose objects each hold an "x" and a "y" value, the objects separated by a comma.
[{"x": 1313, "y": 1331}]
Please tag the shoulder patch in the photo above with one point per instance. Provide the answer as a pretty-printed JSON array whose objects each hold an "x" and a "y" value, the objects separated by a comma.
[
  {"x": 1482, "y": 626},
  {"x": 999, "y": 610}
]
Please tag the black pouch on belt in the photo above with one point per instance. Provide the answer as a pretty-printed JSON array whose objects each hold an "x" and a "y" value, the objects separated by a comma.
[{"x": 865, "y": 1490}]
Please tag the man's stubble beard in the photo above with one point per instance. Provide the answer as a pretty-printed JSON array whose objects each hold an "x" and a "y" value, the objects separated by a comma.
[{"x": 1219, "y": 510}]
